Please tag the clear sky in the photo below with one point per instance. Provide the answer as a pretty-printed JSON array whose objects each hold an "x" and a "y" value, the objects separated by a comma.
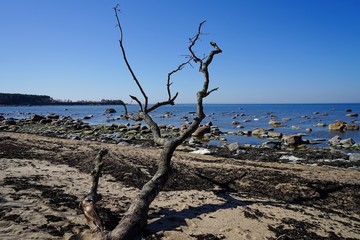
[{"x": 274, "y": 51}]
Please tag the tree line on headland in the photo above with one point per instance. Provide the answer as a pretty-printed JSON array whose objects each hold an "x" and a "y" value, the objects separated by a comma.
[{"x": 16, "y": 99}]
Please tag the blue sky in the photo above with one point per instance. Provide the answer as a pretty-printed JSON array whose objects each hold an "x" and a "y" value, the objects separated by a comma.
[{"x": 274, "y": 51}]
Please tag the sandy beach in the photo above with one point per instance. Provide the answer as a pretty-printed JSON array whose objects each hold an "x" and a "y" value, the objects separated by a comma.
[{"x": 42, "y": 180}]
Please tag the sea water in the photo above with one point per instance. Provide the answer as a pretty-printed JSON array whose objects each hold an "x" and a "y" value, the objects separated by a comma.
[{"x": 249, "y": 116}]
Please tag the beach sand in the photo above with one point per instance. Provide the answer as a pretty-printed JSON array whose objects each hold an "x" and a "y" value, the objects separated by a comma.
[{"x": 42, "y": 180}]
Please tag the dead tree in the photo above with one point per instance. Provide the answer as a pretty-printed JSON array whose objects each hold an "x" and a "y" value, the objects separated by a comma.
[{"x": 135, "y": 219}]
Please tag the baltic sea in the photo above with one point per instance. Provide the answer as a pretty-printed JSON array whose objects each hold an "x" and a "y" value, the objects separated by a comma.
[{"x": 298, "y": 117}]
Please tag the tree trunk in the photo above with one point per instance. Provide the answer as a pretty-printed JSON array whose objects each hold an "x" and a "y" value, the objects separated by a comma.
[{"x": 135, "y": 218}]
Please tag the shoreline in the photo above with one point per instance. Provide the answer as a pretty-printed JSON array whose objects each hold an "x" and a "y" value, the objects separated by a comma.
[{"x": 280, "y": 148}]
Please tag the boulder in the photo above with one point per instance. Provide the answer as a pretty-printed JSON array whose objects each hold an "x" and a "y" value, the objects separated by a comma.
[
  {"x": 348, "y": 142},
  {"x": 201, "y": 130},
  {"x": 321, "y": 124},
  {"x": 52, "y": 116},
  {"x": 271, "y": 145},
  {"x": 276, "y": 135},
  {"x": 335, "y": 140},
  {"x": 285, "y": 119},
  {"x": 351, "y": 126},
  {"x": 10, "y": 121},
  {"x": 293, "y": 140},
  {"x": 88, "y": 116},
  {"x": 36, "y": 118},
  {"x": 354, "y": 157},
  {"x": 215, "y": 130},
  {"x": 233, "y": 147},
  {"x": 338, "y": 125},
  {"x": 259, "y": 132},
  {"x": 110, "y": 110},
  {"x": 45, "y": 121},
  {"x": 275, "y": 123},
  {"x": 247, "y": 133}
]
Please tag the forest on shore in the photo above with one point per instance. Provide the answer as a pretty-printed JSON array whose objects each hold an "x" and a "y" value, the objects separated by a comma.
[{"x": 17, "y": 99}]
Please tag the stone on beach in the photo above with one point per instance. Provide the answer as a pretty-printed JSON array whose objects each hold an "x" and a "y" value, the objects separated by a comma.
[
  {"x": 275, "y": 123},
  {"x": 201, "y": 130},
  {"x": 110, "y": 110},
  {"x": 233, "y": 146},
  {"x": 339, "y": 125},
  {"x": 36, "y": 118},
  {"x": 293, "y": 140}
]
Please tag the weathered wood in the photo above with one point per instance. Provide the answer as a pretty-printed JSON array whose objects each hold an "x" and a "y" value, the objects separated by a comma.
[
  {"x": 88, "y": 203},
  {"x": 135, "y": 219}
]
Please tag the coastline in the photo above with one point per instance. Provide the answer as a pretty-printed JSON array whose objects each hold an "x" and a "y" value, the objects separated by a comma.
[{"x": 236, "y": 123}]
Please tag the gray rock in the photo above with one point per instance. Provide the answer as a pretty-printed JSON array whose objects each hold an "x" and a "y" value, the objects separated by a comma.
[
  {"x": 88, "y": 116},
  {"x": 52, "y": 116},
  {"x": 233, "y": 146},
  {"x": 275, "y": 123},
  {"x": 45, "y": 121},
  {"x": 351, "y": 126},
  {"x": 36, "y": 118},
  {"x": 335, "y": 140},
  {"x": 110, "y": 110},
  {"x": 354, "y": 157},
  {"x": 293, "y": 140},
  {"x": 259, "y": 132},
  {"x": 10, "y": 121},
  {"x": 276, "y": 135},
  {"x": 347, "y": 142},
  {"x": 271, "y": 145}
]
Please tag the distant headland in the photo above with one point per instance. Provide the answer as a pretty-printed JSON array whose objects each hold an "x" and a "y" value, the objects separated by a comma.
[{"x": 18, "y": 99}]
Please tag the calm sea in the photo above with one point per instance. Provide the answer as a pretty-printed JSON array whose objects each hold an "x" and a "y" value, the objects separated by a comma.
[{"x": 301, "y": 116}]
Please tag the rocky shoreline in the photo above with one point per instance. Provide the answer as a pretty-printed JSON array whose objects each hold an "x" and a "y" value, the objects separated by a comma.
[{"x": 279, "y": 148}]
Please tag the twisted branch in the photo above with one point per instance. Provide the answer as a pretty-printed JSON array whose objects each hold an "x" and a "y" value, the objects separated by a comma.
[{"x": 116, "y": 9}]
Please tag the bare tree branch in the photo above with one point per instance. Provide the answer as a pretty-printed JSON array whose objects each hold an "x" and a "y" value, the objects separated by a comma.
[
  {"x": 171, "y": 100},
  {"x": 192, "y": 43},
  {"x": 138, "y": 102},
  {"x": 116, "y": 8}
]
